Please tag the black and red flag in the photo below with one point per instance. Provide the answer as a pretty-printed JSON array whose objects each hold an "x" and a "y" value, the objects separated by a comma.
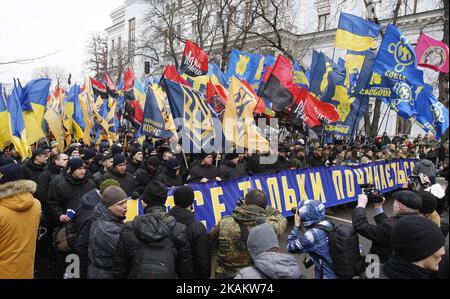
[
  {"x": 195, "y": 61},
  {"x": 111, "y": 89},
  {"x": 128, "y": 85},
  {"x": 99, "y": 89},
  {"x": 217, "y": 96},
  {"x": 170, "y": 72},
  {"x": 279, "y": 88}
]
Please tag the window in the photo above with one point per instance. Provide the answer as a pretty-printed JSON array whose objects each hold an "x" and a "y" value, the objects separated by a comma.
[
  {"x": 180, "y": 3},
  {"x": 131, "y": 38},
  {"x": 323, "y": 22},
  {"x": 119, "y": 44},
  {"x": 112, "y": 45},
  {"x": 194, "y": 27}
]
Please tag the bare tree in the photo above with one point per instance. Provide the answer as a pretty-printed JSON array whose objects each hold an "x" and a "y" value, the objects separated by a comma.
[
  {"x": 57, "y": 74},
  {"x": 97, "y": 54},
  {"x": 119, "y": 59}
]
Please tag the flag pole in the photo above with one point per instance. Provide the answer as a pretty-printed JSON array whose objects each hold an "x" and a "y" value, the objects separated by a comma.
[{"x": 381, "y": 124}]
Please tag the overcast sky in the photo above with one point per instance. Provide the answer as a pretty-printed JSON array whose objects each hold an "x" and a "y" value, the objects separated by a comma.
[{"x": 34, "y": 28}]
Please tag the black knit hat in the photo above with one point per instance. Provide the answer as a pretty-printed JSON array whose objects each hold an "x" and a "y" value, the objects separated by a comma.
[
  {"x": 118, "y": 159},
  {"x": 429, "y": 202},
  {"x": 134, "y": 151},
  {"x": 71, "y": 149},
  {"x": 6, "y": 160},
  {"x": 74, "y": 164},
  {"x": 183, "y": 196},
  {"x": 155, "y": 193},
  {"x": 408, "y": 198},
  {"x": 116, "y": 149},
  {"x": 172, "y": 165},
  {"x": 37, "y": 152},
  {"x": 415, "y": 238},
  {"x": 231, "y": 156},
  {"x": 89, "y": 154},
  {"x": 152, "y": 161},
  {"x": 11, "y": 172}
]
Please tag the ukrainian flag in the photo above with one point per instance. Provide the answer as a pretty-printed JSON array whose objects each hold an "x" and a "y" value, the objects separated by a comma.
[
  {"x": 355, "y": 33},
  {"x": 18, "y": 130},
  {"x": 5, "y": 126},
  {"x": 139, "y": 92}
]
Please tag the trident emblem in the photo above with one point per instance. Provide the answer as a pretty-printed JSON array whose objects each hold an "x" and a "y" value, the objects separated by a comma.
[{"x": 402, "y": 54}]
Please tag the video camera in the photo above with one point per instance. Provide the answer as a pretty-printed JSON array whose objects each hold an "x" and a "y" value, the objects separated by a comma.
[
  {"x": 372, "y": 193},
  {"x": 420, "y": 178}
]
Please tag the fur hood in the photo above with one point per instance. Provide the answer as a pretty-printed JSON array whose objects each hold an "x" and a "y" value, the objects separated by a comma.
[{"x": 16, "y": 187}]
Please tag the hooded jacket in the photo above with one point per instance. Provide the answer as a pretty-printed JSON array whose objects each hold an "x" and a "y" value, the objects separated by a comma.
[
  {"x": 32, "y": 171},
  {"x": 126, "y": 180},
  {"x": 148, "y": 228},
  {"x": 103, "y": 237},
  {"x": 169, "y": 179},
  {"x": 19, "y": 222},
  {"x": 426, "y": 167},
  {"x": 229, "y": 170},
  {"x": 272, "y": 265},
  {"x": 198, "y": 239},
  {"x": 230, "y": 237},
  {"x": 43, "y": 184},
  {"x": 141, "y": 179},
  {"x": 200, "y": 171}
]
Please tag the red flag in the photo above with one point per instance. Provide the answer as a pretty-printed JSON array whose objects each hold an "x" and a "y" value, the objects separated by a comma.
[
  {"x": 304, "y": 109},
  {"x": 110, "y": 86},
  {"x": 432, "y": 53},
  {"x": 171, "y": 73},
  {"x": 260, "y": 105},
  {"x": 99, "y": 89},
  {"x": 195, "y": 61},
  {"x": 128, "y": 80},
  {"x": 216, "y": 96},
  {"x": 137, "y": 112},
  {"x": 324, "y": 111}
]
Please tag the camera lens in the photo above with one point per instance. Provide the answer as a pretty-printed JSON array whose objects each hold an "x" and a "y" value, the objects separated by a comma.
[{"x": 294, "y": 210}]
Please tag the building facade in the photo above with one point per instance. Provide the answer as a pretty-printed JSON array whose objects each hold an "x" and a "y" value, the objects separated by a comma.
[{"x": 303, "y": 25}]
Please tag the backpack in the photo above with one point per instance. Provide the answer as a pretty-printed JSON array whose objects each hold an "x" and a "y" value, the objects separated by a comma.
[
  {"x": 344, "y": 250},
  {"x": 64, "y": 237},
  {"x": 156, "y": 260}
]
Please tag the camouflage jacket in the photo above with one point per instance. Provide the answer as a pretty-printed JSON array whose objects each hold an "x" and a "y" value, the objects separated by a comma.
[{"x": 231, "y": 245}]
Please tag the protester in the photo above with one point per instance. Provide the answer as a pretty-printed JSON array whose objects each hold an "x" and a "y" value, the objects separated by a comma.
[
  {"x": 406, "y": 203},
  {"x": 205, "y": 171},
  {"x": 135, "y": 161},
  {"x": 105, "y": 231},
  {"x": 229, "y": 236},
  {"x": 145, "y": 174},
  {"x": 19, "y": 222},
  {"x": 428, "y": 208},
  {"x": 153, "y": 245},
  {"x": 171, "y": 174},
  {"x": 107, "y": 163},
  {"x": 196, "y": 234},
  {"x": 36, "y": 165},
  {"x": 305, "y": 238},
  {"x": 268, "y": 263},
  {"x": 426, "y": 167},
  {"x": 120, "y": 174},
  {"x": 230, "y": 168}
]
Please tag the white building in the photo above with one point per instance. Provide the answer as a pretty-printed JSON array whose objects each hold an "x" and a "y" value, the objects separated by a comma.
[{"x": 306, "y": 25}]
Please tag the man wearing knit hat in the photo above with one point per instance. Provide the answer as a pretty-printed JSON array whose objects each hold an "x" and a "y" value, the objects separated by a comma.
[
  {"x": 428, "y": 209},
  {"x": 105, "y": 232},
  {"x": 144, "y": 175},
  {"x": 268, "y": 262},
  {"x": 135, "y": 160},
  {"x": 230, "y": 168},
  {"x": 155, "y": 226},
  {"x": 418, "y": 246},
  {"x": 120, "y": 174},
  {"x": 19, "y": 222},
  {"x": 83, "y": 222},
  {"x": 406, "y": 203},
  {"x": 171, "y": 174},
  {"x": 106, "y": 163},
  {"x": 73, "y": 152},
  {"x": 204, "y": 171},
  {"x": 195, "y": 231}
]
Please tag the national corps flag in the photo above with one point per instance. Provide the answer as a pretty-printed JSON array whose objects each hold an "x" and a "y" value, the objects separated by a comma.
[
  {"x": 195, "y": 61},
  {"x": 432, "y": 53}
]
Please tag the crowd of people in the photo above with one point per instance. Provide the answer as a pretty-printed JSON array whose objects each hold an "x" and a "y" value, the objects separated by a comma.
[{"x": 55, "y": 204}]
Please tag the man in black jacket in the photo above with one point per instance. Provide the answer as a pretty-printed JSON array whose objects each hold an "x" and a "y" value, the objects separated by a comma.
[
  {"x": 171, "y": 174},
  {"x": 406, "y": 203},
  {"x": 231, "y": 168},
  {"x": 155, "y": 226},
  {"x": 120, "y": 174},
  {"x": 36, "y": 165},
  {"x": 135, "y": 161},
  {"x": 107, "y": 163},
  {"x": 195, "y": 232},
  {"x": 145, "y": 174},
  {"x": 204, "y": 171}
]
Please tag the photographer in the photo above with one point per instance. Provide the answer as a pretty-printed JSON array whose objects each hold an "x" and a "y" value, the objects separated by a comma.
[
  {"x": 426, "y": 167},
  {"x": 405, "y": 203}
]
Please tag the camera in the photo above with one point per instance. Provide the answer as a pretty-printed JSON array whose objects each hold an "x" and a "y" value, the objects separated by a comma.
[
  {"x": 308, "y": 262},
  {"x": 294, "y": 210},
  {"x": 373, "y": 194},
  {"x": 420, "y": 179}
]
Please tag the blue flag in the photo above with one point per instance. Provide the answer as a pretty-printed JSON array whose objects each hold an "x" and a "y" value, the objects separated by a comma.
[
  {"x": 396, "y": 58},
  {"x": 321, "y": 67},
  {"x": 300, "y": 78},
  {"x": 245, "y": 66},
  {"x": 153, "y": 123},
  {"x": 196, "y": 123},
  {"x": 216, "y": 74},
  {"x": 432, "y": 115}
]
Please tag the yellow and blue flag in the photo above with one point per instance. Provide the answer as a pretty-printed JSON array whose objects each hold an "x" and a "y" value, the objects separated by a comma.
[
  {"x": 197, "y": 124},
  {"x": 321, "y": 67},
  {"x": 53, "y": 116},
  {"x": 355, "y": 33},
  {"x": 432, "y": 115},
  {"x": 216, "y": 75},
  {"x": 18, "y": 130},
  {"x": 246, "y": 66},
  {"x": 199, "y": 83},
  {"x": 238, "y": 122},
  {"x": 139, "y": 92},
  {"x": 5, "y": 125},
  {"x": 300, "y": 78}
]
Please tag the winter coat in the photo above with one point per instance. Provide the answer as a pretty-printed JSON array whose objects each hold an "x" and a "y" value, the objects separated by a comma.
[
  {"x": 103, "y": 237},
  {"x": 397, "y": 268},
  {"x": 83, "y": 221},
  {"x": 426, "y": 167},
  {"x": 255, "y": 166},
  {"x": 148, "y": 228},
  {"x": 169, "y": 179},
  {"x": 379, "y": 233},
  {"x": 126, "y": 180},
  {"x": 231, "y": 241},
  {"x": 228, "y": 170},
  {"x": 19, "y": 222},
  {"x": 314, "y": 240},
  {"x": 65, "y": 193},
  {"x": 272, "y": 265},
  {"x": 97, "y": 177},
  {"x": 133, "y": 166},
  {"x": 50, "y": 172},
  {"x": 141, "y": 179},
  {"x": 32, "y": 171},
  {"x": 198, "y": 239},
  {"x": 316, "y": 161},
  {"x": 200, "y": 171}
]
